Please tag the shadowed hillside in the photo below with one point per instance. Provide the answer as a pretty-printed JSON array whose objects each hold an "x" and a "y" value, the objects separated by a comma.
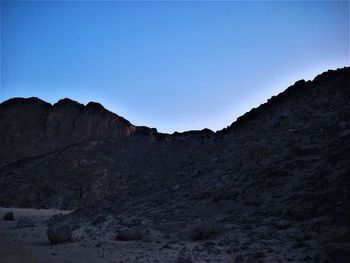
[{"x": 273, "y": 186}]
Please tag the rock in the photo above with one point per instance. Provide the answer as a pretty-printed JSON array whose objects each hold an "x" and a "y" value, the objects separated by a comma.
[
  {"x": 300, "y": 244},
  {"x": 99, "y": 219},
  {"x": 78, "y": 234},
  {"x": 322, "y": 258},
  {"x": 300, "y": 212},
  {"x": 257, "y": 257},
  {"x": 176, "y": 187},
  {"x": 282, "y": 224},
  {"x": 130, "y": 221},
  {"x": 239, "y": 259},
  {"x": 133, "y": 233},
  {"x": 209, "y": 244},
  {"x": 59, "y": 234},
  {"x": 8, "y": 216},
  {"x": 227, "y": 195},
  {"x": 343, "y": 125},
  {"x": 307, "y": 258},
  {"x": 204, "y": 231},
  {"x": 73, "y": 224},
  {"x": 336, "y": 234},
  {"x": 339, "y": 252},
  {"x": 246, "y": 244},
  {"x": 255, "y": 151},
  {"x": 170, "y": 227},
  {"x": 166, "y": 246},
  {"x": 25, "y": 222},
  {"x": 183, "y": 260}
]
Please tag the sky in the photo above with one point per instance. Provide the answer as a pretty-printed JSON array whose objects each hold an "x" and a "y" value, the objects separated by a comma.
[{"x": 171, "y": 65}]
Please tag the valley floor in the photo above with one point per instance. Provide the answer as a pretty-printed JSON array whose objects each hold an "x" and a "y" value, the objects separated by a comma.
[{"x": 31, "y": 245}]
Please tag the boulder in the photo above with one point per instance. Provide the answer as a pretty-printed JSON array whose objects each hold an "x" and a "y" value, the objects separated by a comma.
[
  {"x": 282, "y": 224},
  {"x": 203, "y": 231},
  {"x": 59, "y": 234},
  {"x": 132, "y": 233},
  {"x": 8, "y": 216}
]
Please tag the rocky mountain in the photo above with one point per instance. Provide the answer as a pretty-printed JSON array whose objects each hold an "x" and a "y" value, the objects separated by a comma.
[
  {"x": 272, "y": 187},
  {"x": 32, "y": 127}
]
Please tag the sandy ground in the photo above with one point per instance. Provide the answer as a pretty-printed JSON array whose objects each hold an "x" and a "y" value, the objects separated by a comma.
[{"x": 30, "y": 245}]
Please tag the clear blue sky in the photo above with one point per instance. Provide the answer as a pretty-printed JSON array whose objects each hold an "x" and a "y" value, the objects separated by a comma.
[{"x": 169, "y": 65}]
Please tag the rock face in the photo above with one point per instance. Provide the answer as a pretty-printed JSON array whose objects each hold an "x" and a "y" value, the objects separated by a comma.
[
  {"x": 276, "y": 180},
  {"x": 31, "y": 127}
]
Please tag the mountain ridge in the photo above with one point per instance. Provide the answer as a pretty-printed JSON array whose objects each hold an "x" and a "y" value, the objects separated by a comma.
[
  {"x": 128, "y": 129},
  {"x": 272, "y": 187}
]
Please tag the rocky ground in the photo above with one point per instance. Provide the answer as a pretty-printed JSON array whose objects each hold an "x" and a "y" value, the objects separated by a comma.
[
  {"x": 272, "y": 187},
  {"x": 98, "y": 243},
  {"x": 30, "y": 244}
]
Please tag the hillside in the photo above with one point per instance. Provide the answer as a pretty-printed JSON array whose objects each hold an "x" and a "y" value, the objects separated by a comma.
[{"x": 273, "y": 186}]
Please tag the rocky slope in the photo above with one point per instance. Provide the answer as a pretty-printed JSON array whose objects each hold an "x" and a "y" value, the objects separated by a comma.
[{"x": 272, "y": 187}]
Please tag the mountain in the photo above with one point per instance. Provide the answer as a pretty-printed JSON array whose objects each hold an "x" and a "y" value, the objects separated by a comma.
[
  {"x": 31, "y": 127},
  {"x": 274, "y": 186}
]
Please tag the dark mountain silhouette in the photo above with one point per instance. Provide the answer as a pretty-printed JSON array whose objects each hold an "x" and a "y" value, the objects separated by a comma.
[
  {"x": 32, "y": 127},
  {"x": 274, "y": 186}
]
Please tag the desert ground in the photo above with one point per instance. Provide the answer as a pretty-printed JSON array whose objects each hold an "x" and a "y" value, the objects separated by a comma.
[{"x": 31, "y": 245}]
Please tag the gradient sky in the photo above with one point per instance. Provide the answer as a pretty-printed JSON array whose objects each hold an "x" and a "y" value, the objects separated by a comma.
[{"x": 169, "y": 65}]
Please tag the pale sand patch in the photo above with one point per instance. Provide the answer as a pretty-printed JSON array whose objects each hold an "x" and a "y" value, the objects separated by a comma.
[{"x": 30, "y": 212}]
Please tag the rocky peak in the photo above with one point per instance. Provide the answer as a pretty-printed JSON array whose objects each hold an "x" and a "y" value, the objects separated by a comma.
[
  {"x": 17, "y": 102},
  {"x": 95, "y": 106},
  {"x": 66, "y": 102},
  {"x": 319, "y": 85}
]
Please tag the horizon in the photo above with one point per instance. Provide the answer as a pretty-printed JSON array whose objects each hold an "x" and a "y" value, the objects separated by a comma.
[
  {"x": 184, "y": 65},
  {"x": 229, "y": 124}
]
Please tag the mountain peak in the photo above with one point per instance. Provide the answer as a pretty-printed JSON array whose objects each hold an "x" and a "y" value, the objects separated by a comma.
[
  {"x": 19, "y": 100},
  {"x": 95, "y": 106},
  {"x": 66, "y": 102}
]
